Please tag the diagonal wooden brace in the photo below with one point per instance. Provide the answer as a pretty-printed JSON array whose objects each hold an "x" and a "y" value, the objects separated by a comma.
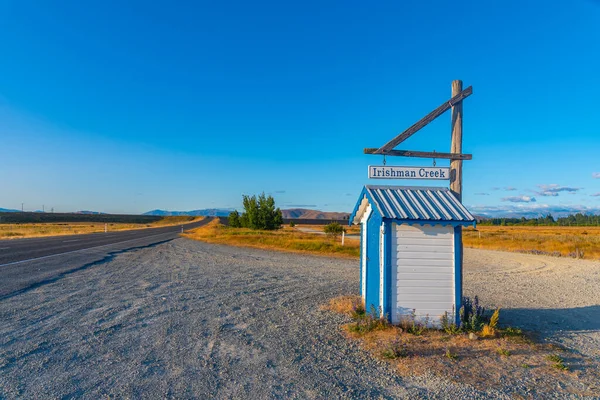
[{"x": 386, "y": 148}]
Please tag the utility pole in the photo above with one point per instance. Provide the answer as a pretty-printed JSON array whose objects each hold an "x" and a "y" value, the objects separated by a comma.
[{"x": 22, "y": 207}]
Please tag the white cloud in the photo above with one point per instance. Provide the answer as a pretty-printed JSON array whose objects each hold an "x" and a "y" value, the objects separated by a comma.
[
  {"x": 554, "y": 190},
  {"x": 519, "y": 199},
  {"x": 596, "y": 175}
]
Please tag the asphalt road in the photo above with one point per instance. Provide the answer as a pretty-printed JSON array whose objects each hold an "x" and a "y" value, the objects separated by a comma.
[
  {"x": 18, "y": 250},
  {"x": 28, "y": 263}
]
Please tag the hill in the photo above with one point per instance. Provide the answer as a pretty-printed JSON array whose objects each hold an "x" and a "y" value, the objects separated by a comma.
[
  {"x": 294, "y": 213},
  {"x": 302, "y": 213},
  {"x": 209, "y": 212},
  {"x": 8, "y": 210}
]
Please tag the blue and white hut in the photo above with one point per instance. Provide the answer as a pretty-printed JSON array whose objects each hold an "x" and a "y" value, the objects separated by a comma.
[{"x": 411, "y": 246}]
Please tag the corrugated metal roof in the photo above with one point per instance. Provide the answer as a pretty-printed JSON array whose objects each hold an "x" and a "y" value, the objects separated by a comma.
[{"x": 418, "y": 203}]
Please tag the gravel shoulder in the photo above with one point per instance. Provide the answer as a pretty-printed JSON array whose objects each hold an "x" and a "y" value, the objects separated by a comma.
[
  {"x": 184, "y": 319},
  {"x": 557, "y": 297}
]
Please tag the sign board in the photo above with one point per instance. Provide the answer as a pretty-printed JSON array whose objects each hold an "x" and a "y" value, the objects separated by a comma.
[{"x": 398, "y": 172}]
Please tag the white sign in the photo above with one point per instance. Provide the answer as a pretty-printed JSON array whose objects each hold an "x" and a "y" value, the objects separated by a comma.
[{"x": 397, "y": 172}]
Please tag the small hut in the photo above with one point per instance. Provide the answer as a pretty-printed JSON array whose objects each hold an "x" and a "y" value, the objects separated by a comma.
[{"x": 411, "y": 261}]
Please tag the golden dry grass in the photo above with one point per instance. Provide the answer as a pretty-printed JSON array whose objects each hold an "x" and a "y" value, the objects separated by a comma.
[
  {"x": 496, "y": 362},
  {"x": 18, "y": 231},
  {"x": 350, "y": 229},
  {"x": 343, "y": 304},
  {"x": 554, "y": 240},
  {"x": 286, "y": 239}
]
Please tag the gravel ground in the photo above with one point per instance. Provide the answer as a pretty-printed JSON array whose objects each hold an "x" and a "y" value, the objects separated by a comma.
[
  {"x": 557, "y": 297},
  {"x": 184, "y": 319}
]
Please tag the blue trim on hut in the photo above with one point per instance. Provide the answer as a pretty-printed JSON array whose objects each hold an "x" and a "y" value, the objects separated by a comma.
[{"x": 372, "y": 295}]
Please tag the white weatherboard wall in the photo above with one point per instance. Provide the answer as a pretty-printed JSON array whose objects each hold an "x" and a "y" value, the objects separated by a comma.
[{"x": 422, "y": 278}]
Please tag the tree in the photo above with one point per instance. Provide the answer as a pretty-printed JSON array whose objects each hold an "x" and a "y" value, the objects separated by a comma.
[
  {"x": 234, "y": 219},
  {"x": 334, "y": 229},
  {"x": 259, "y": 213}
]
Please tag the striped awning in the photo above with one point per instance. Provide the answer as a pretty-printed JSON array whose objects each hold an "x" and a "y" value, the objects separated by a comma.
[{"x": 433, "y": 204}]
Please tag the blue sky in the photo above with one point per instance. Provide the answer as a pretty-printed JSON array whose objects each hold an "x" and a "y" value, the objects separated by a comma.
[{"x": 187, "y": 105}]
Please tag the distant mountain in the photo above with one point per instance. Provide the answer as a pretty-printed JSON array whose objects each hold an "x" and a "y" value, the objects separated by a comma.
[
  {"x": 302, "y": 213},
  {"x": 89, "y": 212},
  {"x": 532, "y": 210},
  {"x": 8, "y": 210},
  {"x": 209, "y": 212}
]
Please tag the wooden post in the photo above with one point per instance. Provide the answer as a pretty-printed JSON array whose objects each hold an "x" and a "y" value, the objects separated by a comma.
[
  {"x": 456, "y": 143},
  {"x": 456, "y": 174}
]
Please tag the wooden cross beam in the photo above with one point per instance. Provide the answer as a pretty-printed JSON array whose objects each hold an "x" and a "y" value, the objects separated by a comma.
[
  {"x": 421, "y": 154},
  {"x": 386, "y": 148}
]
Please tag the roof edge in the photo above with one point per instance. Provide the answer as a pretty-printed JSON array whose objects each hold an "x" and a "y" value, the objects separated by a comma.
[{"x": 439, "y": 188}]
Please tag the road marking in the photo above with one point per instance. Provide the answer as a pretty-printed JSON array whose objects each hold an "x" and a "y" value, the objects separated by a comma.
[
  {"x": 4, "y": 248},
  {"x": 88, "y": 248},
  {"x": 68, "y": 241}
]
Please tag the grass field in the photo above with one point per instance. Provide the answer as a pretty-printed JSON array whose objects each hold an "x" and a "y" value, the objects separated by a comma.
[
  {"x": 578, "y": 242},
  {"x": 18, "y": 231},
  {"x": 285, "y": 239}
]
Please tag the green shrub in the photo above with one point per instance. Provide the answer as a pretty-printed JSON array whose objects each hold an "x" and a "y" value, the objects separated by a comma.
[{"x": 334, "y": 229}]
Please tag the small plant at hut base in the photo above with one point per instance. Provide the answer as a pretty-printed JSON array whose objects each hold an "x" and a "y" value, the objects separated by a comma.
[
  {"x": 471, "y": 315},
  {"x": 396, "y": 349},
  {"x": 410, "y": 324},
  {"x": 292, "y": 224},
  {"x": 358, "y": 310},
  {"x": 334, "y": 230},
  {"x": 447, "y": 323},
  {"x": 451, "y": 355},
  {"x": 489, "y": 330},
  {"x": 558, "y": 362},
  {"x": 369, "y": 322}
]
